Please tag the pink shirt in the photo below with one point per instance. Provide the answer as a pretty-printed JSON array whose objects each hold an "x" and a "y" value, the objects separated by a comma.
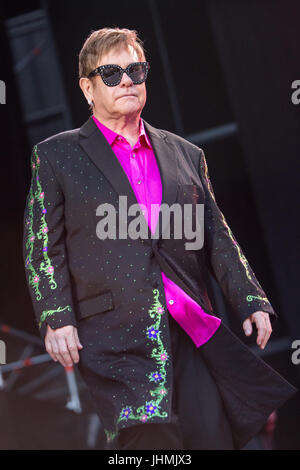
[{"x": 141, "y": 168}]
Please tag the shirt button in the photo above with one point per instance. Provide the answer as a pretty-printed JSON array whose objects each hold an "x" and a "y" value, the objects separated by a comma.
[
  {"x": 171, "y": 302},
  {"x": 139, "y": 181},
  {"x": 119, "y": 138},
  {"x": 133, "y": 155}
]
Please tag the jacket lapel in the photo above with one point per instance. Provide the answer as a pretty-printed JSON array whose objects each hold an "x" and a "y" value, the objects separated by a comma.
[
  {"x": 165, "y": 153},
  {"x": 99, "y": 151}
]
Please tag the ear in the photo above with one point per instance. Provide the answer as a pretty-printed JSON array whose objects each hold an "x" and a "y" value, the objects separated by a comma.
[{"x": 86, "y": 87}]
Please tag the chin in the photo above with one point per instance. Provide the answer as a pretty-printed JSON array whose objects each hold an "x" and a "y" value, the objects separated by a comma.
[{"x": 130, "y": 109}]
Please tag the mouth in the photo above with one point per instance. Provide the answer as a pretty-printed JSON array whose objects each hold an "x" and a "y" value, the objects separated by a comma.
[{"x": 127, "y": 96}]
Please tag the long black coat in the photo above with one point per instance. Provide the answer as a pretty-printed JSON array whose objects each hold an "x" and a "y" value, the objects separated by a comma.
[{"x": 112, "y": 289}]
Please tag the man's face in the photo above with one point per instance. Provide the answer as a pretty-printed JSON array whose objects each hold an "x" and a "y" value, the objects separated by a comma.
[{"x": 125, "y": 99}]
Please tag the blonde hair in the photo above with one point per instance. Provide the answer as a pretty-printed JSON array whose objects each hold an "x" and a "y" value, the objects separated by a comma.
[{"x": 100, "y": 42}]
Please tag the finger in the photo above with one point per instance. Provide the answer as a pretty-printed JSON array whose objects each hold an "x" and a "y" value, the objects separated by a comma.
[
  {"x": 57, "y": 352},
  {"x": 268, "y": 322},
  {"x": 64, "y": 352},
  {"x": 247, "y": 326},
  {"x": 261, "y": 329},
  {"x": 268, "y": 331},
  {"x": 53, "y": 344},
  {"x": 79, "y": 345},
  {"x": 72, "y": 347},
  {"x": 49, "y": 350},
  {"x": 55, "y": 349},
  {"x": 48, "y": 343}
]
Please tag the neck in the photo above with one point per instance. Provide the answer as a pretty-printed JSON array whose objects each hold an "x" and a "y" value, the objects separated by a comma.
[{"x": 127, "y": 126}]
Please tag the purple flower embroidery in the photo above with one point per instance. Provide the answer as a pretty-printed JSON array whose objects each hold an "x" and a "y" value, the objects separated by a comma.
[
  {"x": 27, "y": 261},
  {"x": 150, "y": 408},
  {"x": 45, "y": 248},
  {"x": 156, "y": 376},
  {"x": 152, "y": 333},
  {"x": 44, "y": 211},
  {"x": 126, "y": 412}
]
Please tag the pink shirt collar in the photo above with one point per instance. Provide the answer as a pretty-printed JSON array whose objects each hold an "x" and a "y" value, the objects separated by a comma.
[{"x": 111, "y": 135}]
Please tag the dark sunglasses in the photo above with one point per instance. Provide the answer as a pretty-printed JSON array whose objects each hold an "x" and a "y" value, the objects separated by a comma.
[{"x": 112, "y": 74}]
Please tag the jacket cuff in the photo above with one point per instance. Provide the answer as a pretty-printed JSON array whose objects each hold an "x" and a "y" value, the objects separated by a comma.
[
  {"x": 258, "y": 306},
  {"x": 57, "y": 320}
]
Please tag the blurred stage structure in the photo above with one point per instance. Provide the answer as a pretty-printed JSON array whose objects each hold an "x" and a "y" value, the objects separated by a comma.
[
  {"x": 40, "y": 401},
  {"x": 38, "y": 75}
]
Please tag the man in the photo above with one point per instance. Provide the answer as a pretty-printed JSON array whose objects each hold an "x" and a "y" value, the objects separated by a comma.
[{"x": 133, "y": 311}]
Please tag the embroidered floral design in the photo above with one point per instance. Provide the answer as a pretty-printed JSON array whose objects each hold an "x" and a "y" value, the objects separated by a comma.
[
  {"x": 164, "y": 357},
  {"x": 250, "y": 298},
  {"x": 110, "y": 435},
  {"x": 48, "y": 313},
  {"x": 240, "y": 254},
  {"x": 36, "y": 198},
  {"x": 153, "y": 333},
  {"x": 156, "y": 376},
  {"x": 126, "y": 412},
  {"x": 152, "y": 407}
]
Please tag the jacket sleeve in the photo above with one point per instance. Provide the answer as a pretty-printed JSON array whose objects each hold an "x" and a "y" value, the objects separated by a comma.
[
  {"x": 44, "y": 250},
  {"x": 225, "y": 258}
]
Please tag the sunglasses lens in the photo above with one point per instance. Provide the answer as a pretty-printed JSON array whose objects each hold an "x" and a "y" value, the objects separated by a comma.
[
  {"x": 111, "y": 75},
  {"x": 137, "y": 73}
]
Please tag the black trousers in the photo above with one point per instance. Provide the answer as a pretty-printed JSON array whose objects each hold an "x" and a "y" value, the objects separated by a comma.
[{"x": 198, "y": 419}]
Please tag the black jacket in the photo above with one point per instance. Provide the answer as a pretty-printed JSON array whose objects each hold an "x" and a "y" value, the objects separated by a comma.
[{"x": 112, "y": 289}]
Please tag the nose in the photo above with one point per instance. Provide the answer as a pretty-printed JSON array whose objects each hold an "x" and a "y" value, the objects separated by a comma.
[{"x": 126, "y": 80}]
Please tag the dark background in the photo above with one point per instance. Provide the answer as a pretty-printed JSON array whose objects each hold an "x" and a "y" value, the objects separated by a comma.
[{"x": 213, "y": 63}]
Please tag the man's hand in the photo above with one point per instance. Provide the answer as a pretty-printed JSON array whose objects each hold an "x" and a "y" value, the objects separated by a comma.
[
  {"x": 62, "y": 345},
  {"x": 263, "y": 325}
]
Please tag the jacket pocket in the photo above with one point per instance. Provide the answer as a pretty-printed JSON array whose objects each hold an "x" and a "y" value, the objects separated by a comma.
[
  {"x": 190, "y": 193},
  {"x": 95, "y": 305}
]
